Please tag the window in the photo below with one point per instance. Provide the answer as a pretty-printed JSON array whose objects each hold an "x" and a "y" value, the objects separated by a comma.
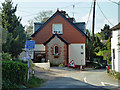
[
  {"x": 82, "y": 53},
  {"x": 113, "y": 53},
  {"x": 81, "y": 46},
  {"x": 56, "y": 50},
  {"x": 113, "y": 58},
  {"x": 57, "y": 28}
]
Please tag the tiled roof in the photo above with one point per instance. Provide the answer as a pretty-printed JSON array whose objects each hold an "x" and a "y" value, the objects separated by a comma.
[
  {"x": 58, "y": 12},
  {"x": 116, "y": 27},
  {"x": 58, "y": 37}
]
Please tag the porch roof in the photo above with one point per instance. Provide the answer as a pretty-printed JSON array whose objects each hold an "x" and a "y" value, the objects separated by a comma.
[{"x": 58, "y": 37}]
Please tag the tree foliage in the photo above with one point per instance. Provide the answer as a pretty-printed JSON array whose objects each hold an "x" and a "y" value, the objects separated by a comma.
[
  {"x": 119, "y": 41},
  {"x": 105, "y": 32},
  {"x": 41, "y": 17},
  {"x": 102, "y": 48},
  {"x": 16, "y": 36}
]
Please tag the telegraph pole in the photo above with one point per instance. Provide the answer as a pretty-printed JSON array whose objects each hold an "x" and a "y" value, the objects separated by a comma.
[{"x": 93, "y": 27}]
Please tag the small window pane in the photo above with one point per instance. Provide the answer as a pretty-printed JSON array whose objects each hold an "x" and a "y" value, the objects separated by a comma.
[
  {"x": 56, "y": 50},
  {"x": 57, "y": 28},
  {"x": 82, "y": 53},
  {"x": 81, "y": 46}
]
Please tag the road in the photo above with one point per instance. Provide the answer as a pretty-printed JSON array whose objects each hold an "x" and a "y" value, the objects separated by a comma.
[{"x": 69, "y": 78}]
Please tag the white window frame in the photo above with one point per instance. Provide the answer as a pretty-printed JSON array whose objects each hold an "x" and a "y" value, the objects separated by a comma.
[
  {"x": 54, "y": 51},
  {"x": 59, "y": 31}
]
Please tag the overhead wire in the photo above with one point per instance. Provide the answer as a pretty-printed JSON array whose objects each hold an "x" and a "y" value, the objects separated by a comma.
[
  {"x": 104, "y": 14},
  {"x": 89, "y": 13},
  {"x": 114, "y": 2},
  {"x": 49, "y": 7}
]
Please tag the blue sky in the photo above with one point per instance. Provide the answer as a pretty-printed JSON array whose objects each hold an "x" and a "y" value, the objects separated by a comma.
[{"x": 28, "y": 9}]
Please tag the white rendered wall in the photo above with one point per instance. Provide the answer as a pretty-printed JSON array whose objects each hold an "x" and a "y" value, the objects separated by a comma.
[
  {"x": 114, "y": 45},
  {"x": 75, "y": 54},
  {"x": 45, "y": 66},
  {"x": 119, "y": 12},
  {"x": 119, "y": 54}
]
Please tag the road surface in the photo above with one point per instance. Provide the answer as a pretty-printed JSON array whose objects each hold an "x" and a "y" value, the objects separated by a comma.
[{"x": 63, "y": 77}]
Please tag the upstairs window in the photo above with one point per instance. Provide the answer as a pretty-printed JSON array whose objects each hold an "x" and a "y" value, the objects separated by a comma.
[{"x": 57, "y": 28}]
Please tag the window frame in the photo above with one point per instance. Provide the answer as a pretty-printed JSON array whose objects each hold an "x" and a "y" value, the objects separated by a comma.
[
  {"x": 55, "y": 50},
  {"x": 53, "y": 28}
]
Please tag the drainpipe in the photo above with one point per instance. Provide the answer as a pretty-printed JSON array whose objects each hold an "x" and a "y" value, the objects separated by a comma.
[{"x": 67, "y": 53}]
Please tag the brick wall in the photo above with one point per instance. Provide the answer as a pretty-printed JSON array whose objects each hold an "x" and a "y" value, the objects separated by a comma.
[
  {"x": 50, "y": 51},
  {"x": 70, "y": 34}
]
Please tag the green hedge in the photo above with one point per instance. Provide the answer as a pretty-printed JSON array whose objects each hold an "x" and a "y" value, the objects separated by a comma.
[{"x": 13, "y": 73}]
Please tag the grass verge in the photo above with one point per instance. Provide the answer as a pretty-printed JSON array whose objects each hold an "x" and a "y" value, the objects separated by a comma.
[
  {"x": 34, "y": 82},
  {"x": 114, "y": 74}
]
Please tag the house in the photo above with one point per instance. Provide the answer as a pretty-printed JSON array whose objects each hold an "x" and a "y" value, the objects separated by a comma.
[
  {"x": 115, "y": 53},
  {"x": 119, "y": 11},
  {"x": 60, "y": 40}
]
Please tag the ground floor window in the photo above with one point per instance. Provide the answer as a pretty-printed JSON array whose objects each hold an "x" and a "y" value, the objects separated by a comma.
[
  {"x": 113, "y": 58},
  {"x": 56, "y": 50}
]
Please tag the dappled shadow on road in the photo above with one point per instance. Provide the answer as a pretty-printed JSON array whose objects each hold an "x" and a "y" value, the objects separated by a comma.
[
  {"x": 54, "y": 72},
  {"x": 68, "y": 83},
  {"x": 57, "y": 79}
]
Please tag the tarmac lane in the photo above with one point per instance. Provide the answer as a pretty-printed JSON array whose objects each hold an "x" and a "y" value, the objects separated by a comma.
[{"x": 63, "y": 77}]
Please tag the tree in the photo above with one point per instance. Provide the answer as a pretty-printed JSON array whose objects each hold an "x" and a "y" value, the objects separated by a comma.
[
  {"x": 16, "y": 36},
  {"x": 41, "y": 17},
  {"x": 0, "y": 34},
  {"x": 119, "y": 40},
  {"x": 109, "y": 50},
  {"x": 105, "y": 32},
  {"x": 89, "y": 45},
  {"x": 29, "y": 29},
  {"x": 98, "y": 46}
]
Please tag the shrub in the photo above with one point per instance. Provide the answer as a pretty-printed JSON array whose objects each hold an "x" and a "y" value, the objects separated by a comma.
[
  {"x": 19, "y": 60},
  {"x": 61, "y": 65},
  {"x": 6, "y": 56},
  {"x": 53, "y": 64},
  {"x": 13, "y": 73}
]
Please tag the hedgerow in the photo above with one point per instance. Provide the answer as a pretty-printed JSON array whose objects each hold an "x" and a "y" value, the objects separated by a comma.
[{"x": 13, "y": 73}]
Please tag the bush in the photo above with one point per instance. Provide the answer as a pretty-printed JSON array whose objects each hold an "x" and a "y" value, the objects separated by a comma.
[
  {"x": 61, "y": 65},
  {"x": 19, "y": 60},
  {"x": 13, "y": 73},
  {"x": 6, "y": 56},
  {"x": 53, "y": 64}
]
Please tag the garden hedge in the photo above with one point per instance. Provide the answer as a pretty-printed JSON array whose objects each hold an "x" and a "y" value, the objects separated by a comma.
[{"x": 14, "y": 72}]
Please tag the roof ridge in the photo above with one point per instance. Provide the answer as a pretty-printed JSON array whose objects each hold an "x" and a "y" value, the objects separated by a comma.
[
  {"x": 64, "y": 18},
  {"x": 58, "y": 37}
]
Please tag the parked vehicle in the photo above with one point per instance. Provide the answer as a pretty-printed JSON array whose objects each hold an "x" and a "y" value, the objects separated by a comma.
[
  {"x": 97, "y": 66},
  {"x": 103, "y": 65}
]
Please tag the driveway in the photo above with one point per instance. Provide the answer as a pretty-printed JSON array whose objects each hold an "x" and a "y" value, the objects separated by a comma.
[{"x": 63, "y": 77}]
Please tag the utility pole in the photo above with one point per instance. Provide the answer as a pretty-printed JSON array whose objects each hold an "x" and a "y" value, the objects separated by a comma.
[{"x": 93, "y": 27}]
